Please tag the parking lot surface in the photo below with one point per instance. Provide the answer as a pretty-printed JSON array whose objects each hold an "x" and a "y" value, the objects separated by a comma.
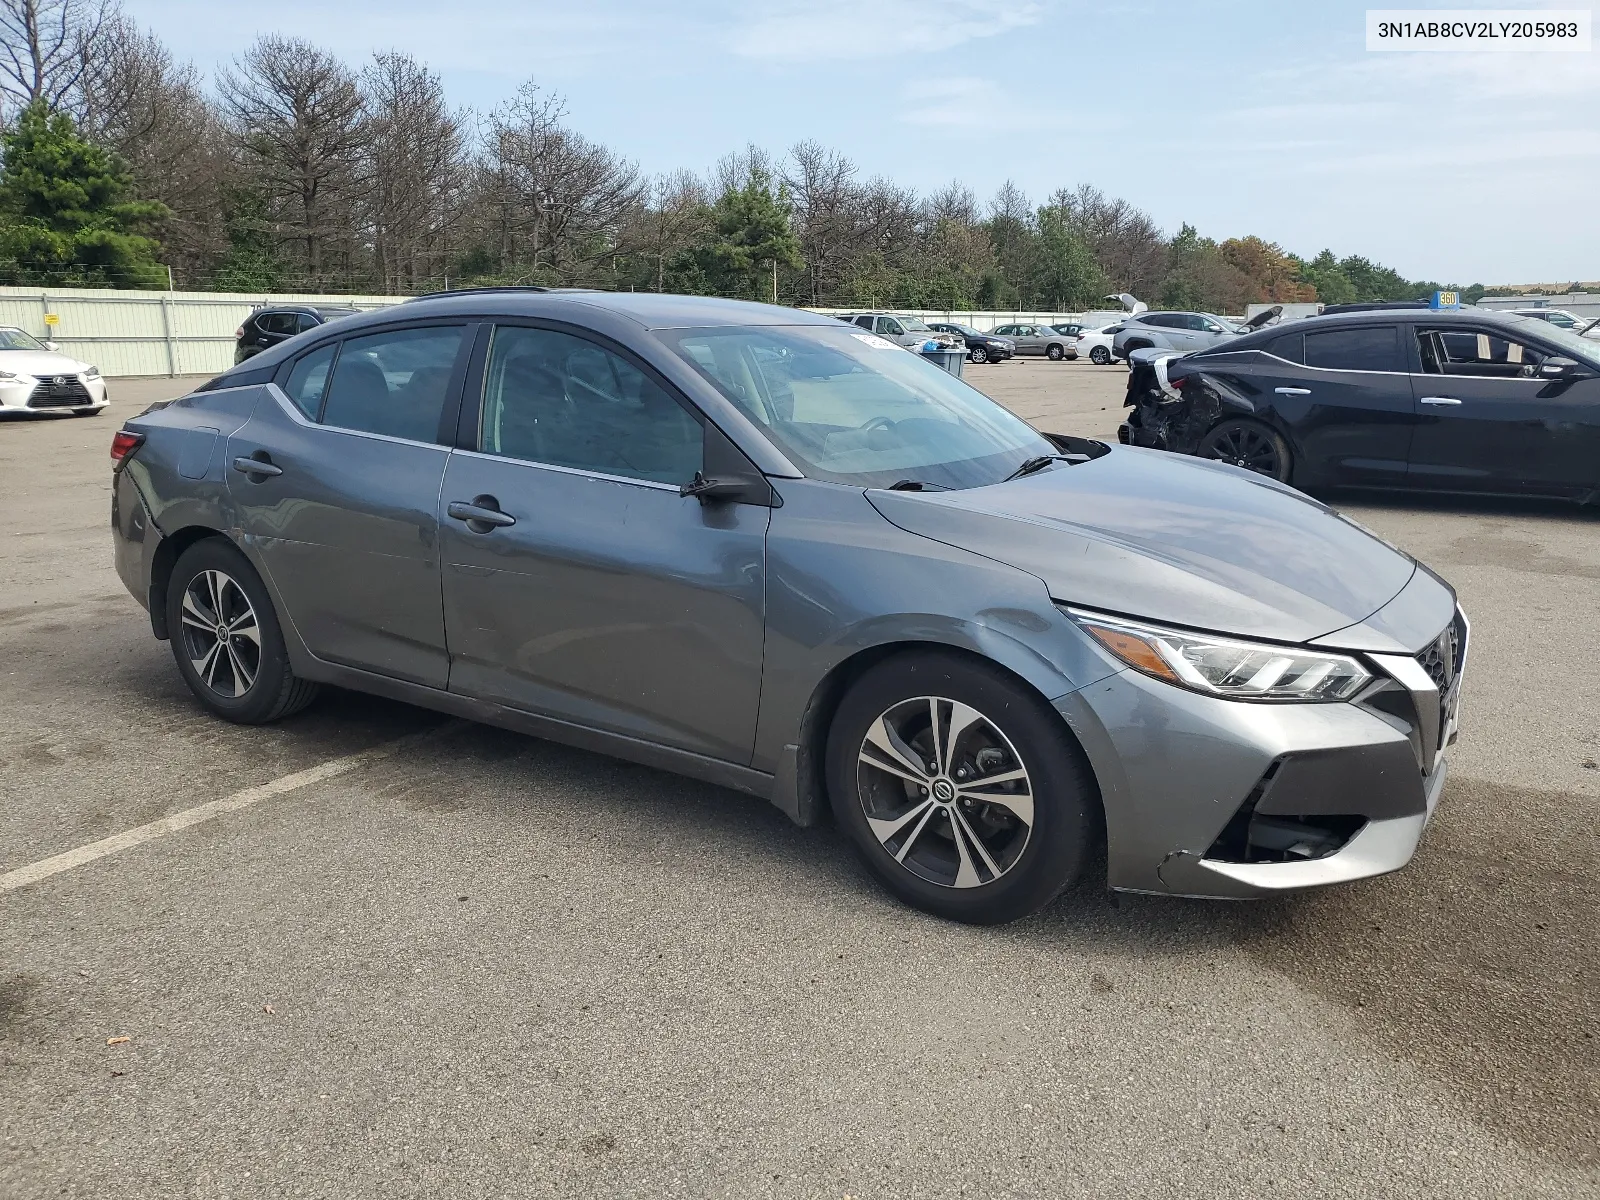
[{"x": 477, "y": 964}]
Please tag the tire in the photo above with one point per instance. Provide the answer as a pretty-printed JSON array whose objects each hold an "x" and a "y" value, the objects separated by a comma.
[
  {"x": 978, "y": 355},
  {"x": 1248, "y": 444},
  {"x": 249, "y": 682},
  {"x": 1000, "y": 867},
  {"x": 1100, "y": 356},
  {"x": 1054, "y": 352}
]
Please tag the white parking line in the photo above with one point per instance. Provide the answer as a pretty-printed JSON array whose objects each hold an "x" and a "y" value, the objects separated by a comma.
[{"x": 172, "y": 823}]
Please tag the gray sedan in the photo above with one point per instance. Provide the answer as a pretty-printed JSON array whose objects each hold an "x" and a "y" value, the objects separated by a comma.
[
  {"x": 1037, "y": 340},
  {"x": 776, "y": 553}
]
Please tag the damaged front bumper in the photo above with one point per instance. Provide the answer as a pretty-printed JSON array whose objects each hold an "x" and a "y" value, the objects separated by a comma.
[{"x": 1217, "y": 798}]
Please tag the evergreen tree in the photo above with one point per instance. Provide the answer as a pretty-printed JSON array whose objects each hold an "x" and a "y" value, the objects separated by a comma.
[
  {"x": 65, "y": 215},
  {"x": 751, "y": 239}
]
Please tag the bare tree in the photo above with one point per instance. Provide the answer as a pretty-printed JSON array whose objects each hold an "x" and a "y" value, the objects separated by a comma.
[
  {"x": 295, "y": 117},
  {"x": 48, "y": 47},
  {"x": 414, "y": 159},
  {"x": 559, "y": 200},
  {"x": 670, "y": 217},
  {"x": 1124, "y": 240}
]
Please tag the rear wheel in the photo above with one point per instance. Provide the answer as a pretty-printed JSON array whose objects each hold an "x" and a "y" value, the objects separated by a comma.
[
  {"x": 226, "y": 640},
  {"x": 1250, "y": 445},
  {"x": 1054, "y": 352},
  {"x": 964, "y": 793},
  {"x": 1099, "y": 356},
  {"x": 978, "y": 354}
]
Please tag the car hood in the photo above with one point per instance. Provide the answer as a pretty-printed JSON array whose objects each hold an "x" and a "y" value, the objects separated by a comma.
[
  {"x": 40, "y": 362},
  {"x": 1173, "y": 539}
]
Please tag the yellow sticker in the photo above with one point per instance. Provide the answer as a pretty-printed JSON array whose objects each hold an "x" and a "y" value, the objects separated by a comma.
[
  {"x": 52, "y": 319},
  {"x": 1448, "y": 299}
]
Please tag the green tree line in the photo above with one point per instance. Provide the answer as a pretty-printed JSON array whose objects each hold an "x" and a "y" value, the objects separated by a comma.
[{"x": 294, "y": 170}]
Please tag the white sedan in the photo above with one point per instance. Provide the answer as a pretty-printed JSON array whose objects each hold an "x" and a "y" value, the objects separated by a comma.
[
  {"x": 37, "y": 377},
  {"x": 1095, "y": 344}
]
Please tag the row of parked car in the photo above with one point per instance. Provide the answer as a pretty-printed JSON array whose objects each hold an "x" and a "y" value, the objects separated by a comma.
[{"x": 1065, "y": 341}]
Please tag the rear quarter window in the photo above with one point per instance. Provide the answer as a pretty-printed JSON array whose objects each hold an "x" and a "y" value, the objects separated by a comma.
[{"x": 1288, "y": 346}]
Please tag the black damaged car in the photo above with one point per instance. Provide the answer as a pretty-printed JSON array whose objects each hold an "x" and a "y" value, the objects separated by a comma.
[{"x": 1450, "y": 401}]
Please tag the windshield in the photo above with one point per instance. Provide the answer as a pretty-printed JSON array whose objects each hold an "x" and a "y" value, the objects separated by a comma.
[
  {"x": 856, "y": 409},
  {"x": 1568, "y": 339},
  {"x": 15, "y": 339}
]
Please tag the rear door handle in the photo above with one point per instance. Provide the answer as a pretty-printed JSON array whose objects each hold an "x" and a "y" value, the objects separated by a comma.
[
  {"x": 482, "y": 514},
  {"x": 263, "y": 467},
  {"x": 1441, "y": 400},
  {"x": 1293, "y": 391}
]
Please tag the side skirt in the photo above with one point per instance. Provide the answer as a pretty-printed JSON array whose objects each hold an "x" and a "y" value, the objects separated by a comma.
[{"x": 649, "y": 754}]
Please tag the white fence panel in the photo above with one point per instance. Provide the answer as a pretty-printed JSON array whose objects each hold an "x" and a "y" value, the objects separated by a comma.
[
  {"x": 192, "y": 333},
  {"x": 150, "y": 333}
]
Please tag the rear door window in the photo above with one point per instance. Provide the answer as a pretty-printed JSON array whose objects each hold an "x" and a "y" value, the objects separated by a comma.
[
  {"x": 276, "y": 323},
  {"x": 1366, "y": 348},
  {"x": 308, "y": 382},
  {"x": 394, "y": 383}
]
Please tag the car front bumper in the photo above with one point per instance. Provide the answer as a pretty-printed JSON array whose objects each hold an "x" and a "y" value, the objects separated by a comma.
[
  {"x": 1191, "y": 782},
  {"x": 73, "y": 394}
]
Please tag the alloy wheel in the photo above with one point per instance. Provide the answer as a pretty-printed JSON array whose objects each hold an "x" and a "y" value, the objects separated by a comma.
[
  {"x": 945, "y": 792},
  {"x": 1243, "y": 446},
  {"x": 978, "y": 354},
  {"x": 1100, "y": 356},
  {"x": 221, "y": 635}
]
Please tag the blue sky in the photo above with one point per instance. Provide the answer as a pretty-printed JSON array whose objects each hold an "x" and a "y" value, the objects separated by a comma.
[{"x": 1238, "y": 116}]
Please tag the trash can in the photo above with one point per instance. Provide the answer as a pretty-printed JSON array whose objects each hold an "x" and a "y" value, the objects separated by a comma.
[{"x": 946, "y": 358}]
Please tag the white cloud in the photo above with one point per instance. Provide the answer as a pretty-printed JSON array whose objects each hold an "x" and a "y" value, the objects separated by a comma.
[
  {"x": 811, "y": 30},
  {"x": 957, "y": 103}
]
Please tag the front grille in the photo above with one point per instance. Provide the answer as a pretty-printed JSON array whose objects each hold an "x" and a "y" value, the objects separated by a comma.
[
  {"x": 58, "y": 390},
  {"x": 1442, "y": 659}
]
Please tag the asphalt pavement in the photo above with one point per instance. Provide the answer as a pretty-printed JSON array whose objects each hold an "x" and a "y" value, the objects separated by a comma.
[{"x": 478, "y": 964}]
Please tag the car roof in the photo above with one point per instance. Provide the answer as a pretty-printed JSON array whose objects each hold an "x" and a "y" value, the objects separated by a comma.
[
  {"x": 1372, "y": 316},
  {"x": 652, "y": 310}
]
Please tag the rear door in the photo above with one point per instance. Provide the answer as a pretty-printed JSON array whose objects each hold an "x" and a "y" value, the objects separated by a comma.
[
  {"x": 1345, "y": 393},
  {"x": 336, "y": 477},
  {"x": 1489, "y": 422},
  {"x": 594, "y": 592}
]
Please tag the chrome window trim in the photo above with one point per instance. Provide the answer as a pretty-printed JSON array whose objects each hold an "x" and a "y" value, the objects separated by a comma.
[{"x": 652, "y": 484}]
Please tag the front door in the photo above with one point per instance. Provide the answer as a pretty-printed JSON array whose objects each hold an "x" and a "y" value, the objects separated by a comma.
[
  {"x": 338, "y": 491},
  {"x": 1489, "y": 422},
  {"x": 578, "y": 583}
]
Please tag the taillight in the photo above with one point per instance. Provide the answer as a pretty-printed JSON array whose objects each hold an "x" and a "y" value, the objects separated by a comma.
[
  {"x": 239, "y": 332},
  {"x": 123, "y": 444},
  {"x": 1177, "y": 381}
]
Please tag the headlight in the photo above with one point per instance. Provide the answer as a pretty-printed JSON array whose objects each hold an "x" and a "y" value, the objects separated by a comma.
[
  {"x": 1227, "y": 667},
  {"x": 92, "y": 373},
  {"x": 9, "y": 375}
]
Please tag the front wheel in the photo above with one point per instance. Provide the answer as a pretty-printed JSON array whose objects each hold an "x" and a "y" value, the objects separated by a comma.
[
  {"x": 1249, "y": 445},
  {"x": 226, "y": 640},
  {"x": 1100, "y": 356},
  {"x": 978, "y": 355},
  {"x": 964, "y": 793},
  {"x": 1054, "y": 353}
]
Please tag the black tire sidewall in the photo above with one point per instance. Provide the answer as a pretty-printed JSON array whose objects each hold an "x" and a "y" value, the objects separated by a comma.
[
  {"x": 1280, "y": 445},
  {"x": 1100, "y": 356},
  {"x": 274, "y": 678},
  {"x": 1066, "y": 800}
]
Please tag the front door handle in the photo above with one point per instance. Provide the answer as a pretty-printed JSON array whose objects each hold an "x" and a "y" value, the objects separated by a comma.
[
  {"x": 1440, "y": 400},
  {"x": 1293, "y": 391},
  {"x": 482, "y": 514},
  {"x": 258, "y": 468}
]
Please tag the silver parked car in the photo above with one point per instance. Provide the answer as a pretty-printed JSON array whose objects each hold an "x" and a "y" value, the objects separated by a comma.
[
  {"x": 1038, "y": 340},
  {"x": 1183, "y": 331},
  {"x": 901, "y": 329},
  {"x": 761, "y": 548}
]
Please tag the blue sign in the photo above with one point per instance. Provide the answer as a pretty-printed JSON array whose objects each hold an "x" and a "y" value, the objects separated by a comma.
[{"x": 1445, "y": 300}]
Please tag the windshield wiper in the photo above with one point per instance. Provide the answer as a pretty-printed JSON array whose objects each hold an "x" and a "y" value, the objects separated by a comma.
[
  {"x": 1043, "y": 461},
  {"x": 916, "y": 485}
]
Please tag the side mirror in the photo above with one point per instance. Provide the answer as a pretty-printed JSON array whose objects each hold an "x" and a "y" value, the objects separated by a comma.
[
  {"x": 49, "y": 345},
  {"x": 1564, "y": 370}
]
